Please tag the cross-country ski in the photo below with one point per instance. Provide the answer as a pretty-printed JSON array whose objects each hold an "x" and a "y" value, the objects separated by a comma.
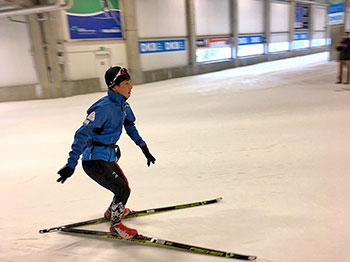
[
  {"x": 144, "y": 212},
  {"x": 152, "y": 241}
]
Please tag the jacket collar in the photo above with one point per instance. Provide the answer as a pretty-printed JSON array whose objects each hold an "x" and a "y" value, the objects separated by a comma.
[{"x": 116, "y": 98}]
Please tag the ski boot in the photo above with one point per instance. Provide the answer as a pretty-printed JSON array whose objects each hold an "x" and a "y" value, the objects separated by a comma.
[
  {"x": 118, "y": 229},
  {"x": 107, "y": 214}
]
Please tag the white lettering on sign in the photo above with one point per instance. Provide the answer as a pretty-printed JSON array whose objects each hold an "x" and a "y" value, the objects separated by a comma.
[
  {"x": 255, "y": 39},
  {"x": 243, "y": 40},
  {"x": 172, "y": 45},
  {"x": 147, "y": 47}
]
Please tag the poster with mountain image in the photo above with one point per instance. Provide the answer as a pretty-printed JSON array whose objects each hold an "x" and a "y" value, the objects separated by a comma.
[{"x": 94, "y": 19}]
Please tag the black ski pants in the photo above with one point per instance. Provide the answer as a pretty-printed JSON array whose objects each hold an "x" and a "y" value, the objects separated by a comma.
[{"x": 110, "y": 176}]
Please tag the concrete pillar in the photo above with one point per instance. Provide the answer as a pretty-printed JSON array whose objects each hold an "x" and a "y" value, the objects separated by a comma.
[
  {"x": 346, "y": 17},
  {"x": 234, "y": 28},
  {"x": 336, "y": 33},
  {"x": 311, "y": 23},
  {"x": 43, "y": 34},
  {"x": 132, "y": 41},
  {"x": 267, "y": 17},
  {"x": 328, "y": 33},
  {"x": 191, "y": 29},
  {"x": 291, "y": 23}
]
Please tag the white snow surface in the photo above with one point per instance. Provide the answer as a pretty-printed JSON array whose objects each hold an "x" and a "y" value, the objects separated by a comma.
[{"x": 272, "y": 139}]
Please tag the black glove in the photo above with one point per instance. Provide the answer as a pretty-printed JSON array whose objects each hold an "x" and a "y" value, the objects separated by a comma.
[
  {"x": 150, "y": 158},
  {"x": 64, "y": 172}
]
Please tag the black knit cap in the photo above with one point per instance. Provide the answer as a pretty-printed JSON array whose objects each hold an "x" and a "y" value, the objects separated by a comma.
[{"x": 111, "y": 77}]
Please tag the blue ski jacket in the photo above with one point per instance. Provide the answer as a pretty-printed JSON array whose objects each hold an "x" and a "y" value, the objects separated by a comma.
[{"x": 103, "y": 124}]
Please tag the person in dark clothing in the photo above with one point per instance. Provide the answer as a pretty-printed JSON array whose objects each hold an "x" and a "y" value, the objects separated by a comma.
[
  {"x": 344, "y": 57},
  {"x": 96, "y": 141}
]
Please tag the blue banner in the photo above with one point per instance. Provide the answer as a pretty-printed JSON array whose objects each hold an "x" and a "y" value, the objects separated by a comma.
[
  {"x": 336, "y": 8},
  {"x": 146, "y": 47},
  {"x": 250, "y": 39},
  {"x": 301, "y": 36},
  {"x": 102, "y": 25},
  {"x": 336, "y": 14}
]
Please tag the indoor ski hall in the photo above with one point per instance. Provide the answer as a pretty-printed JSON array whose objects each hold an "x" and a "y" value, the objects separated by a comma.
[{"x": 174, "y": 130}]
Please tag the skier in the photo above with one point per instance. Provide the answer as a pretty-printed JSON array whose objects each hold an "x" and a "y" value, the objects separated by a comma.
[{"x": 96, "y": 140}]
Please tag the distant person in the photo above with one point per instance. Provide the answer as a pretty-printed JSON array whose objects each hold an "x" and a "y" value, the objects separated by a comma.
[
  {"x": 344, "y": 57},
  {"x": 96, "y": 140}
]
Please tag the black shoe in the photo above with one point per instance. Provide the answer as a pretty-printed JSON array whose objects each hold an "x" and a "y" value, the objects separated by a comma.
[{"x": 339, "y": 82}]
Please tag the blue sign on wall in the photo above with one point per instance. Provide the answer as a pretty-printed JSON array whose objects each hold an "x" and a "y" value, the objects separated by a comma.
[
  {"x": 146, "y": 47},
  {"x": 336, "y": 14},
  {"x": 302, "y": 17},
  {"x": 301, "y": 36},
  {"x": 250, "y": 39},
  {"x": 101, "y": 25}
]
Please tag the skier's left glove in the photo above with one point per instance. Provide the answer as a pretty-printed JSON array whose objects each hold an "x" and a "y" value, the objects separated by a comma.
[
  {"x": 150, "y": 158},
  {"x": 64, "y": 172}
]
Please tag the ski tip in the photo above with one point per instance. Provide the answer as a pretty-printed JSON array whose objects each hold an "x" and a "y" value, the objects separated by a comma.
[
  {"x": 252, "y": 257},
  {"x": 48, "y": 230},
  {"x": 219, "y": 199}
]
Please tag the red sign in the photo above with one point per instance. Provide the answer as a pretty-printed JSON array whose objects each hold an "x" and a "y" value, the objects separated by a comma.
[{"x": 213, "y": 42}]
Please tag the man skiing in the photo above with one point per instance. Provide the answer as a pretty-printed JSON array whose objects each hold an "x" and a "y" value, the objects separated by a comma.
[{"x": 96, "y": 140}]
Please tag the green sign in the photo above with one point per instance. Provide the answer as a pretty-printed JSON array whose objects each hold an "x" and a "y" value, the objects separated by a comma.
[
  {"x": 333, "y": 2},
  {"x": 92, "y": 6},
  {"x": 94, "y": 19}
]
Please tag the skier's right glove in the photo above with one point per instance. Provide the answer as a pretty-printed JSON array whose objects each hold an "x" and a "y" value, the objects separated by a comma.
[{"x": 64, "y": 172}]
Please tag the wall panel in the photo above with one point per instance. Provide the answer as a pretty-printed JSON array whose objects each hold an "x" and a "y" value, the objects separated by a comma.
[
  {"x": 320, "y": 18},
  {"x": 16, "y": 63},
  {"x": 279, "y": 17},
  {"x": 161, "y": 18},
  {"x": 212, "y": 17},
  {"x": 250, "y": 16}
]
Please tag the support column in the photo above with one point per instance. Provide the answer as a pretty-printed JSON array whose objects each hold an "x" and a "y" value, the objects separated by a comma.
[
  {"x": 191, "y": 29},
  {"x": 132, "y": 41},
  {"x": 312, "y": 15},
  {"x": 43, "y": 34},
  {"x": 267, "y": 17},
  {"x": 234, "y": 29},
  {"x": 328, "y": 34},
  {"x": 346, "y": 17},
  {"x": 291, "y": 24},
  {"x": 336, "y": 33}
]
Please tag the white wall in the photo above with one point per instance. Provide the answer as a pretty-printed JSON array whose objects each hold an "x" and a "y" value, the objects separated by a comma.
[
  {"x": 279, "y": 37},
  {"x": 250, "y": 16},
  {"x": 320, "y": 21},
  {"x": 16, "y": 63},
  {"x": 279, "y": 17},
  {"x": 82, "y": 57},
  {"x": 319, "y": 35},
  {"x": 212, "y": 17},
  {"x": 161, "y": 18},
  {"x": 164, "y": 60}
]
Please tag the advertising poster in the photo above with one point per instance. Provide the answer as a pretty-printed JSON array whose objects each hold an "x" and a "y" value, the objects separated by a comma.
[
  {"x": 213, "y": 42},
  {"x": 302, "y": 17},
  {"x": 93, "y": 19},
  {"x": 336, "y": 11}
]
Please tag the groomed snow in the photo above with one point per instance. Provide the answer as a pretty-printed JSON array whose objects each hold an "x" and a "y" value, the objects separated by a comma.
[{"x": 272, "y": 139}]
